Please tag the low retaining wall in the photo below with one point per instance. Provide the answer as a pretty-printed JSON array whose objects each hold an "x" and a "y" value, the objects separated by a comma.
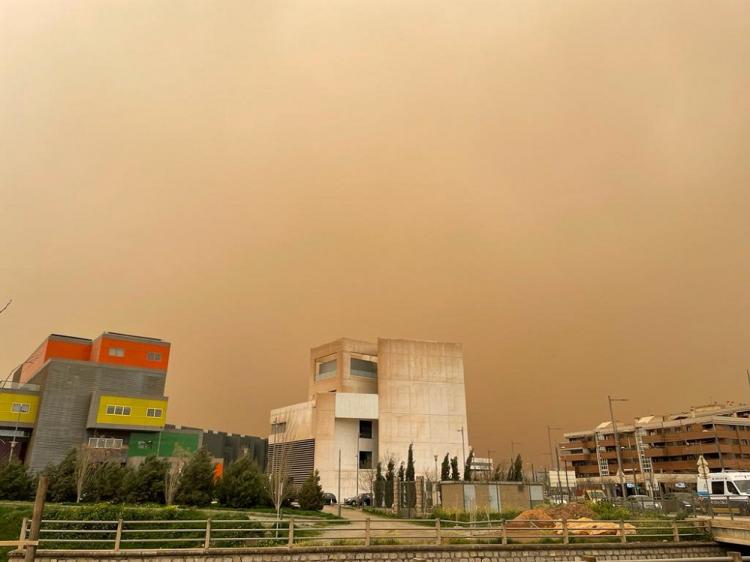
[{"x": 396, "y": 553}]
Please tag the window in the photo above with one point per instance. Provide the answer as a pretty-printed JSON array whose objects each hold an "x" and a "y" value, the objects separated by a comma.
[
  {"x": 153, "y": 356},
  {"x": 153, "y": 412},
  {"x": 20, "y": 408},
  {"x": 117, "y": 410},
  {"x": 365, "y": 459},
  {"x": 278, "y": 427},
  {"x": 717, "y": 488},
  {"x": 365, "y": 429},
  {"x": 326, "y": 370},
  {"x": 105, "y": 443},
  {"x": 732, "y": 489},
  {"x": 363, "y": 368},
  {"x": 116, "y": 352}
]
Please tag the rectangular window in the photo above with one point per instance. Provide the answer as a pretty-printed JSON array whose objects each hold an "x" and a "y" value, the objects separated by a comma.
[
  {"x": 365, "y": 429},
  {"x": 278, "y": 427},
  {"x": 116, "y": 352},
  {"x": 153, "y": 412},
  {"x": 326, "y": 370},
  {"x": 20, "y": 408},
  {"x": 126, "y": 410},
  {"x": 717, "y": 488},
  {"x": 118, "y": 410},
  {"x": 105, "y": 443},
  {"x": 110, "y": 410},
  {"x": 363, "y": 368},
  {"x": 365, "y": 459},
  {"x": 153, "y": 356}
]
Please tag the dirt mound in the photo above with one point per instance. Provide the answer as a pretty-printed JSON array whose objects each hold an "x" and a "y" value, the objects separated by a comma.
[
  {"x": 586, "y": 526},
  {"x": 570, "y": 511},
  {"x": 534, "y": 518}
]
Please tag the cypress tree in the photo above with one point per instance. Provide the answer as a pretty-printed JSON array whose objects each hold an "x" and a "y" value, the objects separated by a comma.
[
  {"x": 467, "y": 466},
  {"x": 390, "y": 476},
  {"x": 410, "y": 464},
  {"x": 455, "y": 475},
  {"x": 62, "y": 479},
  {"x": 445, "y": 469},
  {"x": 311, "y": 493},
  {"x": 379, "y": 486}
]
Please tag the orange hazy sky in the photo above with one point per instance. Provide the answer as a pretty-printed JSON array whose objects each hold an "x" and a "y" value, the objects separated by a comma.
[{"x": 563, "y": 187}]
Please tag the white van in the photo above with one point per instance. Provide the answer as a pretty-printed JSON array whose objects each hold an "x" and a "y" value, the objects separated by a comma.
[{"x": 731, "y": 488}]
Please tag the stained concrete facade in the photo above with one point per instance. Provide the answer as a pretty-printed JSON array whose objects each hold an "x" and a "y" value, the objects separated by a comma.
[{"x": 369, "y": 401}]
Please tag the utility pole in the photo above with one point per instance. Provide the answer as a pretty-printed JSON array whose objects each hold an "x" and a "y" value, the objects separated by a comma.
[
  {"x": 620, "y": 473},
  {"x": 463, "y": 449},
  {"x": 554, "y": 457}
]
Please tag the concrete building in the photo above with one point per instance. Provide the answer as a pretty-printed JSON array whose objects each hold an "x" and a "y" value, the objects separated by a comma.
[
  {"x": 107, "y": 393},
  {"x": 661, "y": 452},
  {"x": 369, "y": 402}
]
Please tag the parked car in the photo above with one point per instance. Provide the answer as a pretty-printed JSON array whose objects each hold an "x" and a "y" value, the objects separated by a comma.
[
  {"x": 329, "y": 498},
  {"x": 639, "y": 502},
  {"x": 359, "y": 500},
  {"x": 678, "y": 501}
]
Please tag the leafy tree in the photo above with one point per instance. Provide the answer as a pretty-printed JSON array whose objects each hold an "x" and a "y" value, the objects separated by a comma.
[
  {"x": 106, "y": 483},
  {"x": 62, "y": 479},
  {"x": 445, "y": 468},
  {"x": 146, "y": 485},
  {"x": 455, "y": 474},
  {"x": 467, "y": 467},
  {"x": 243, "y": 485},
  {"x": 196, "y": 485},
  {"x": 15, "y": 482},
  {"x": 379, "y": 485},
  {"x": 390, "y": 476},
  {"x": 311, "y": 493}
]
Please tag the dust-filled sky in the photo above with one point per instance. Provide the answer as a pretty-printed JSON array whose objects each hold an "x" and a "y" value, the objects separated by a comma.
[{"x": 563, "y": 187}]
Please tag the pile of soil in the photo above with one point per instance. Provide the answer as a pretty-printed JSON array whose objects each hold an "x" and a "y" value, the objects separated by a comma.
[
  {"x": 586, "y": 526},
  {"x": 534, "y": 518},
  {"x": 570, "y": 511}
]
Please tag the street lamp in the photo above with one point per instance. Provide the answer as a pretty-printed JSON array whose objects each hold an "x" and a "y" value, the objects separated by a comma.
[
  {"x": 617, "y": 444},
  {"x": 437, "y": 474},
  {"x": 18, "y": 409}
]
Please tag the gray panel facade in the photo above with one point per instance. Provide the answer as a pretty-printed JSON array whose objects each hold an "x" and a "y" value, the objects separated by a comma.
[{"x": 66, "y": 398}]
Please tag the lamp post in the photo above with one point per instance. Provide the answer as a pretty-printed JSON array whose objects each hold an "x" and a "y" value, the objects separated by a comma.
[
  {"x": 18, "y": 409},
  {"x": 617, "y": 444},
  {"x": 437, "y": 474}
]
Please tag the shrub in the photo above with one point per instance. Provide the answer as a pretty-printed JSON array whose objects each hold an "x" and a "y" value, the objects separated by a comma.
[
  {"x": 243, "y": 485},
  {"x": 196, "y": 485},
  {"x": 609, "y": 511},
  {"x": 62, "y": 479},
  {"x": 15, "y": 482},
  {"x": 311, "y": 493},
  {"x": 146, "y": 485},
  {"x": 106, "y": 483}
]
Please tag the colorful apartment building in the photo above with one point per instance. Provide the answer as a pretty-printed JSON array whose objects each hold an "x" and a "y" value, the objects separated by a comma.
[{"x": 106, "y": 393}]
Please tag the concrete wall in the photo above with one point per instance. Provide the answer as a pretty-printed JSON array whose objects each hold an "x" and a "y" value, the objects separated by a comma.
[
  {"x": 444, "y": 553},
  {"x": 422, "y": 401},
  {"x": 342, "y": 350},
  {"x": 66, "y": 398}
]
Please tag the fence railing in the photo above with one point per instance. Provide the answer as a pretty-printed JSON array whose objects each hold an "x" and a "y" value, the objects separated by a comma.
[{"x": 243, "y": 533}]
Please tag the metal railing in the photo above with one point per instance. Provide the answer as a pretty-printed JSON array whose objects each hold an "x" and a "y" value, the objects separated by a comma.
[{"x": 247, "y": 533}]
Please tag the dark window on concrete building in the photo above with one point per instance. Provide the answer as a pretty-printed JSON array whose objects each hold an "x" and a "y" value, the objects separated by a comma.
[
  {"x": 116, "y": 352},
  {"x": 278, "y": 427},
  {"x": 326, "y": 370},
  {"x": 364, "y": 368},
  {"x": 365, "y": 429},
  {"x": 365, "y": 459},
  {"x": 153, "y": 356}
]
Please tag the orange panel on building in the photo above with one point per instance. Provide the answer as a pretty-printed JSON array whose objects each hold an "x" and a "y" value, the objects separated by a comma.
[{"x": 121, "y": 350}]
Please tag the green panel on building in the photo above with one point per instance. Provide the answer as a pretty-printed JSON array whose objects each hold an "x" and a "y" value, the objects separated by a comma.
[{"x": 161, "y": 444}]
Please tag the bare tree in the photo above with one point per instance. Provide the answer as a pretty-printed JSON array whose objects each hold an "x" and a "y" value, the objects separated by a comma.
[
  {"x": 87, "y": 459},
  {"x": 180, "y": 457},
  {"x": 7, "y": 304},
  {"x": 282, "y": 433}
]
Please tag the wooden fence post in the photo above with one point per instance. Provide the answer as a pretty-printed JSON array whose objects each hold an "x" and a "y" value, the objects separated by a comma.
[
  {"x": 735, "y": 556},
  {"x": 291, "y": 532},
  {"x": 118, "y": 535},
  {"x": 623, "y": 538},
  {"x": 367, "y": 531},
  {"x": 675, "y": 532},
  {"x": 207, "y": 542},
  {"x": 438, "y": 534},
  {"x": 36, "y": 517},
  {"x": 566, "y": 539},
  {"x": 504, "y": 532},
  {"x": 22, "y": 536}
]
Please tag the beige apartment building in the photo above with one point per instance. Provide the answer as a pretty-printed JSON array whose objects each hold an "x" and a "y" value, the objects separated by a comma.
[
  {"x": 661, "y": 452},
  {"x": 367, "y": 402}
]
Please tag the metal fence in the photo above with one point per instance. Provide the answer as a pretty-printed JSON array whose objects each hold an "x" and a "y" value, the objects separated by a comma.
[{"x": 243, "y": 533}]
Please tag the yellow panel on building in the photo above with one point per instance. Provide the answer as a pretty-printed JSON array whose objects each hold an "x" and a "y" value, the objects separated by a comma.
[
  {"x": 125, "y": 410},
  {"x": 17, "y": 407}
]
